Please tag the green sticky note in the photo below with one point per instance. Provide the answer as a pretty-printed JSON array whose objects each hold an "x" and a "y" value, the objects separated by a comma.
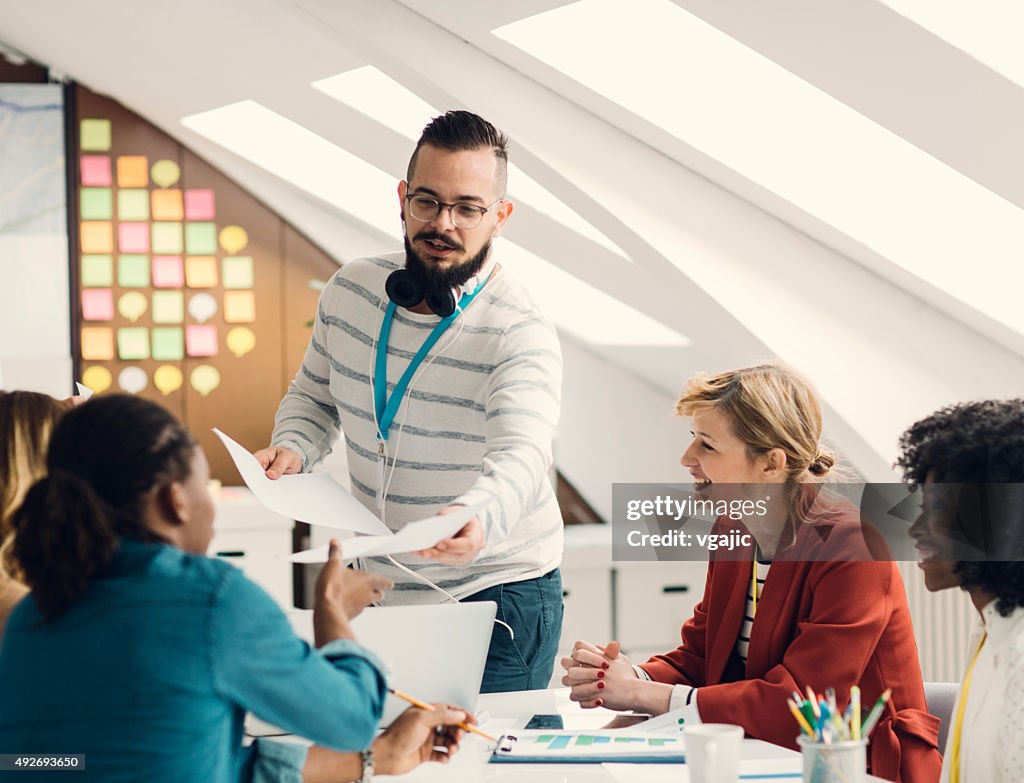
[
  {"x": 94, "y": 135},
  {"x": 165, "y": 239},
  {"x": 97, "y": 271},
  {"x": 133, "y": 271},
  {"x": 168, "y": 308},
  {"x": 132, "y": 204},
  {"x": 237, "y": 272},
  {"x": 133, "y": 343},
  {"x": 200, "y": 239},
  {"x": 168, "y": 343},
  {"x": 96, "y": 204}
]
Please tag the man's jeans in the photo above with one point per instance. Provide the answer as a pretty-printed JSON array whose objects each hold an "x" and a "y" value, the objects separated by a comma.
[{"x": 534, "y": 610}]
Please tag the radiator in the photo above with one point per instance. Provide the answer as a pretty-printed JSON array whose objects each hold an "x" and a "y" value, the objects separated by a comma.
[{"x": 942, "y": 626}]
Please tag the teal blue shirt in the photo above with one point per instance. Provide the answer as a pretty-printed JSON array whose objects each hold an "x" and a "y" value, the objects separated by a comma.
[{"x": 150, "y": 671}]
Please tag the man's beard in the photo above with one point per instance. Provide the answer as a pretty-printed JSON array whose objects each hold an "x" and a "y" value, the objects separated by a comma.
[{"x": 437, "y": 279}]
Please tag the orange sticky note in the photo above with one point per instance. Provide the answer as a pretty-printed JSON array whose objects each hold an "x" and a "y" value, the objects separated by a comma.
[
  {"x": 132, "y": 171},
  {"x": 167, "y": 205},
  {"x": 97, "y": 236},
  {"x": 97, "y": 343},
  {"x": 201, "y": 271},
  {"x": 239, "y": 307}
]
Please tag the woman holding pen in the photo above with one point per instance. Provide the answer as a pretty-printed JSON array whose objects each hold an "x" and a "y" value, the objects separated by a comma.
[
  {"x": 135, "y": 649},
  {"x": 804, "y": 606},
  {"x": 969, "y": 461}
]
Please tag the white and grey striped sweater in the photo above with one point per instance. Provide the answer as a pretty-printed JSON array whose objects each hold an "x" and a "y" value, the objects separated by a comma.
[{"x": 477, "y": 423}]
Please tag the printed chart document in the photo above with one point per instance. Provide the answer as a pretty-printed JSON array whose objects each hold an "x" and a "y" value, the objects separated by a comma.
[
  {"x": 315, "y": 498},
  {"x": 533, "y": 746},
  {"x": 422, "y": 534}
]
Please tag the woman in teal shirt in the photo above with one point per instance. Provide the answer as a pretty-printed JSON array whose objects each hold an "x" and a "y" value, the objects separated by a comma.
[{"x": 138, "y": 651}]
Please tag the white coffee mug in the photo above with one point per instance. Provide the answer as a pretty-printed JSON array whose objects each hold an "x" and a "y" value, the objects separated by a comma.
[{"x": 713, "y": 752}]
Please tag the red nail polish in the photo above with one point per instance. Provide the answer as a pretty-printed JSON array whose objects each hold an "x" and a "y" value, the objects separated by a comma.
[
  {"x": 600, "y": 675},
  {"x": 604, "y": 665},
  {"x": 600, "y": 702},
  {"x": 600, "y": 685}
]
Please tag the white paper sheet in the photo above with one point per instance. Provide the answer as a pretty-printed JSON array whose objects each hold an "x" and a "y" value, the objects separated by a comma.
[
  {"x": 753, "y": 770},
  {"x": 315, "y": 498},
  {"x": 421, "y": 534},
  {"x": 84, "y": 391}
]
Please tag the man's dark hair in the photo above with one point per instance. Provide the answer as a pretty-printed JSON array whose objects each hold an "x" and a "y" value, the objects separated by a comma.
[
  {"x": 979, "y": 444},
  {"x": 463, "y": 130}
]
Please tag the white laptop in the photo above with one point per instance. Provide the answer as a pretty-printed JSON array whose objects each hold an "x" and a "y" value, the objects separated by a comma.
[{"x": 435, "y": 653}]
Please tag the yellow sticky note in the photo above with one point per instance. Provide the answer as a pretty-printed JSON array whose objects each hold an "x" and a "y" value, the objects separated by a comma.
[
  {"x": 97, "y": 236},
  {"x": 167, "y": 205},
  {"x": 239, "y": 307},
  {"x": 201, "y": 271},
  {"x": 97, "y": 343},
  {"x": 132, "y": 171},
  {"x": 94, "y": 135}
]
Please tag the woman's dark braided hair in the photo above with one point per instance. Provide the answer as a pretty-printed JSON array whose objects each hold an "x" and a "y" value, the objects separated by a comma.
[
  {"x": 980, "y": 443},
  {"x": 106, "y": 457}
]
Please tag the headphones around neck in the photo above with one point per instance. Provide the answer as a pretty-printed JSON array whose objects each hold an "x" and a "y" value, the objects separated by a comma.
[{"x": 407, "y": 290}]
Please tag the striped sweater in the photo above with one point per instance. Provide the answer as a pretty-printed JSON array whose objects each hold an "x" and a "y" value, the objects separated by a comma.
[{"x": 476, "y": 423}]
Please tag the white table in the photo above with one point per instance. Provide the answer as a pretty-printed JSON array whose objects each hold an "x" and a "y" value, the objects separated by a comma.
[{"x": 470, "y": 763}]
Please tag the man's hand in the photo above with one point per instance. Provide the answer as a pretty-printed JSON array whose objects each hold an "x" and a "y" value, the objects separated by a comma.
[
  {"x": 341, "y": 594},
  {"x": 412, "y": 738},
  {"x": 278, "y": 461},
  {"x": 461, "y": 548}
]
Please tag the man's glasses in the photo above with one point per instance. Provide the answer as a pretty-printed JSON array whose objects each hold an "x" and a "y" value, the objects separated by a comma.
[{"x": 464, "y": 216}]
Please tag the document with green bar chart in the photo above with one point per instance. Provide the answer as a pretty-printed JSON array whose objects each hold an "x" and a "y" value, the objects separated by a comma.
[{"x": 533, "y": 746}]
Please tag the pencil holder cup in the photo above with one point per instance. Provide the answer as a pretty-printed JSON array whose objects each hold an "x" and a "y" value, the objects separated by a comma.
[{"x": 835, "y": 762}]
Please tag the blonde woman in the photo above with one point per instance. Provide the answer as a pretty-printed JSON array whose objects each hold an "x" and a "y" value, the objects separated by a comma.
[
  {"x": 793, "y": 610},
  {"x": 26, "y": 420}
]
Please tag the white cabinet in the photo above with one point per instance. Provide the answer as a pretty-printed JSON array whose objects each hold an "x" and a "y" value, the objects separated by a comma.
[
  {"x": 254, "y": 539},
  {"x": 652, "y": 600}
]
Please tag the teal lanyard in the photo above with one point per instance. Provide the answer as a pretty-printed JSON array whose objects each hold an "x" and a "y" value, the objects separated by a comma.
[{"x": 384, "y": 408}]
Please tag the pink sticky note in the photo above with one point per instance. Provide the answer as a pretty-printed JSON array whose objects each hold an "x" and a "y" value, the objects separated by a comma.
[
  {"x": 97, "y": 304},
  {"x": 201, "y": 340},
  {"x": 133, "y": 237},
  {"x": 168, "y": 272},
  {"x": 199, "y": 205},
  {"x": 96, "y": 170}
]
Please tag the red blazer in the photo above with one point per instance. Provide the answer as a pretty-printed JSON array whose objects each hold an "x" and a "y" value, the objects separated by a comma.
[{"x": 821, "y": 621}]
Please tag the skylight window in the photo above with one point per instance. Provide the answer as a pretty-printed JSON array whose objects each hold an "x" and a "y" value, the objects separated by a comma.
[
  {"x": 375, "y": 94},
  {"x": 736, "y": 106},
  {"x": 579, "y": 308},
  {"x": 299, "y": 156}
]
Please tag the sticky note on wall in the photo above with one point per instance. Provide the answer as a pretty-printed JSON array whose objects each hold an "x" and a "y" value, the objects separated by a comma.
[
  {"x": 96, "y": 237},
  {"x": 97, "y": 304},
  {"x": 132, "y": 171},
  {"x": 168, "y": 343},
  {"x": 94, "y": 135},
  {"x": 166, "y": 238},
  {"x": 167, "y": 205},
  {"x": 133, "y": 343},
  {"x": 237, "y": 272},
  {"x": 199, "y": 205},
  {"x": 96, "y": 203},
  {"x": 201, "y": 340},
  {"x": 132, "y": 204},
  {"x": 133, "y": 271},
  {"x": 97, "y": 343},
  {"x": 97, "y": 271},
  {"x": 200, "y": 239},
  {"x": 239, "y": 307},
  {"x": 168, "y": 272},
  {"x": 95, "y": 170},
  {"x": 201, "y": 271},
  {"x": 168, "y": 307},
  {"x": 133, "y": 237}
]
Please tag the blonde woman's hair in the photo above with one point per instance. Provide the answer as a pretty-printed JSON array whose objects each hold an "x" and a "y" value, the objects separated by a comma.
[
  {"x": 770, "y": 406},
  {"x": 26, "y": 421}
]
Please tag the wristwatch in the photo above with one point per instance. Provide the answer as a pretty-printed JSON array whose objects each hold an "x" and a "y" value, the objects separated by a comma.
[{"x": 367, "y": 756}]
